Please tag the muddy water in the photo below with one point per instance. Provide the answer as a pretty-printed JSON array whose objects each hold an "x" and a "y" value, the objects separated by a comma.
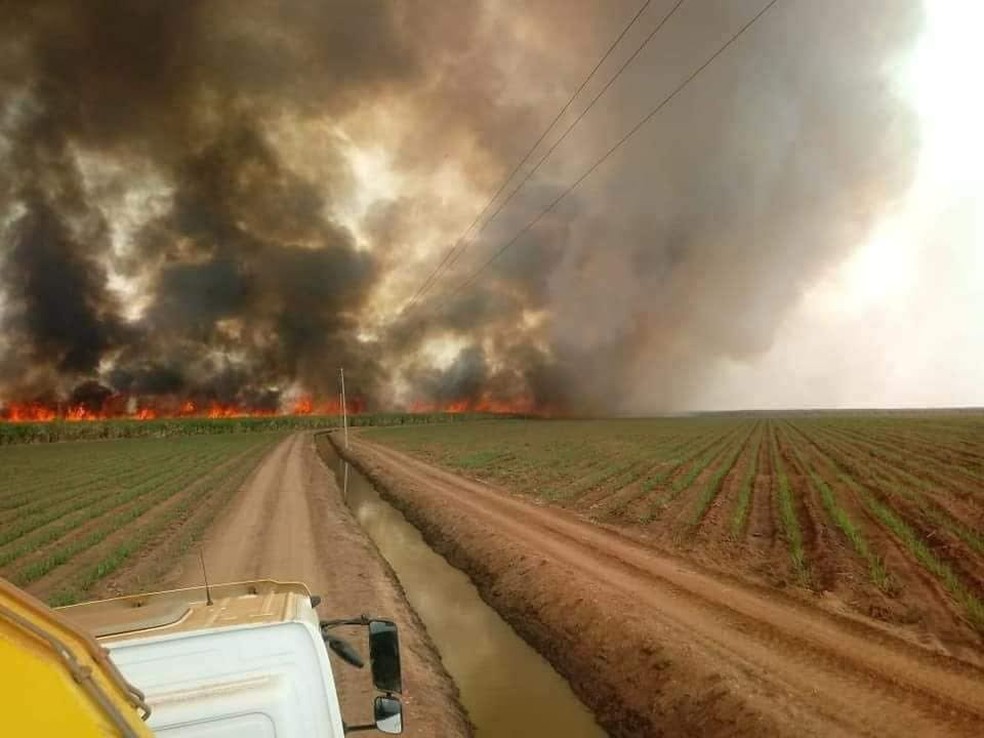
[{"x": 508, "y": 689}]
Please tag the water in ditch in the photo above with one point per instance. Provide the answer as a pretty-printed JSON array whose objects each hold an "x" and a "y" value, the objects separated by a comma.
[{"x": 508, "y": 689}]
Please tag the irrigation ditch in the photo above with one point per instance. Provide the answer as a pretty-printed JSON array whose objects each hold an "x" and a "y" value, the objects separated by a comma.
[{"x": 507, "y": 688}]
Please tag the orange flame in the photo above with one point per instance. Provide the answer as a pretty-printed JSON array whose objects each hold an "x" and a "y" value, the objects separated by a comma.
[
  {"x": 303, "y": 406},
  {"x": 485, "y": 404},
  {"x": 306, "y": 405},
  {"x": 30, "y": 412},
  {"x": 79, "y": 413},
  {"x": 119, "y": 406}
]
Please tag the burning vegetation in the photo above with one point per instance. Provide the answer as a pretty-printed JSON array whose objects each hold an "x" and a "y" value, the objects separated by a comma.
[{"x": 113, "y": 406}]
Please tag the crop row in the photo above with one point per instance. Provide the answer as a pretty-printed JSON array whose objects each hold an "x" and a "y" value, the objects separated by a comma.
[
  {"x": 73, "y": 530},
  {"x": 164, "y": 531},
  {"x": 104, "y": 492},
  {"x": 893, "y": 498}
]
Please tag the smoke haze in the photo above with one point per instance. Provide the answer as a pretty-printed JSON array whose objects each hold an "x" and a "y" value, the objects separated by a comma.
[{"x": 231, "y": 200}]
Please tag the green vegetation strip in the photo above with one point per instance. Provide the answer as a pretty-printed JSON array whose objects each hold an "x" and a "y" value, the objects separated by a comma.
[
  {"x": 37, "y": 474},
  {"x": 909, "y": 537},
  {"x": 694, "y": 464},
  {"x": 28, "y": 544},
  {"x": 558, "y": 460},
  {"x": 109, "y": 494},
  {"x": 848, "y": 526},
  {"x": 145, "y": 470},
  {"x": 933, "y": 470},
  {"x": 226, "y": 485},
  {"x": 183, "y": 483},
  {"x": 787, "y": 515},
  {"x": 124, "y": 481},
  {"x": 678, "y": 456},
  {"x": 713, "y": 485},
  {"x": 745, "y": 490},
  {"x": 606, "y": 473},
  {"x": 899, "y": 483},
  {"x": 673, "y": 458},
  {"x": 922, "y": 553}
]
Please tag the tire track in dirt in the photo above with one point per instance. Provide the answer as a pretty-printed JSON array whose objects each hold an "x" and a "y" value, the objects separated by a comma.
[{"x": 754, "y": 654}]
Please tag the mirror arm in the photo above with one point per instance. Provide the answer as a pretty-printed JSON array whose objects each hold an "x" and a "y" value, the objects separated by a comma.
[
  {"x": 361, "y": 620},
  {"x": 356, "y": 728}
]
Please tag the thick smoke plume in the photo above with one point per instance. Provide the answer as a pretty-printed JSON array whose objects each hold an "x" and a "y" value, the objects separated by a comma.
[{"x": 228, "y": 200}]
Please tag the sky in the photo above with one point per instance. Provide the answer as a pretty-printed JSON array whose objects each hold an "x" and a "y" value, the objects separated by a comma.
[
  {"x": 206, "y": 200},
  {"x": 900, "y": 322}
]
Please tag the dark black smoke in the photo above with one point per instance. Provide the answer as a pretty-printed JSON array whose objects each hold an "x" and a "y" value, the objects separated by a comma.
[
  {"x": 58, "y": 294},
  {"x": 690, "y": 246},
  {"x": 198, "y": 152},
  {"x": 91, "y": 396},
  {"x": 248, "y": 281}
]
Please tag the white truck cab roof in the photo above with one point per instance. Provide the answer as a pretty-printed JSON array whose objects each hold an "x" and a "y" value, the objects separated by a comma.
[{"x": 248, "y": 660}]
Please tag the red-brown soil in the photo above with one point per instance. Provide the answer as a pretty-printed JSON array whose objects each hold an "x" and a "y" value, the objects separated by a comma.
[
  {"x": 881, "y": 517},
  {"x": 658, "y": 645},
  {"x": 289, "y": 522}
]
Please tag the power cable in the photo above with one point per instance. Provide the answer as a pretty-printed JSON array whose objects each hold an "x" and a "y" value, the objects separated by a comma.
[
  {"x": 590, "y": 170},
  {"x": 573, "y": 124},
  {"x": 427, "y": 282}
]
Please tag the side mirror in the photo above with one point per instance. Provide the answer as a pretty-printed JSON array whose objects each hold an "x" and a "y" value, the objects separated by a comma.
[
  {"x": 388, "y": 712},
  {"x": 384, "y": 655}
]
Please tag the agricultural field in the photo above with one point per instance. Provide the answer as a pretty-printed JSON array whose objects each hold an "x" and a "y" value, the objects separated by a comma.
[
  {"x": 882, "y": 514},
  {"x": 99, "y": 518},
  {"x": 103, "y": 507}
]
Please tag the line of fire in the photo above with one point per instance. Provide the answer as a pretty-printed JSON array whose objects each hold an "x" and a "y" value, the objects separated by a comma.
[{"x": 92, "y": 401}]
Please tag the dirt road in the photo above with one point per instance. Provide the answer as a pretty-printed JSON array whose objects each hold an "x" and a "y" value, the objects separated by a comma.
[
  {"x": 289, "y": 522},
  {"x": 656, "y": 646}
]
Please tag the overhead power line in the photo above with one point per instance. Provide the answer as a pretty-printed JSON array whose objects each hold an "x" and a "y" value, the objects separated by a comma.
[
  {"x": 618, "y": 144},
  {"x": 572, "y": 125},
  {"x": 460, "y": 240}
]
